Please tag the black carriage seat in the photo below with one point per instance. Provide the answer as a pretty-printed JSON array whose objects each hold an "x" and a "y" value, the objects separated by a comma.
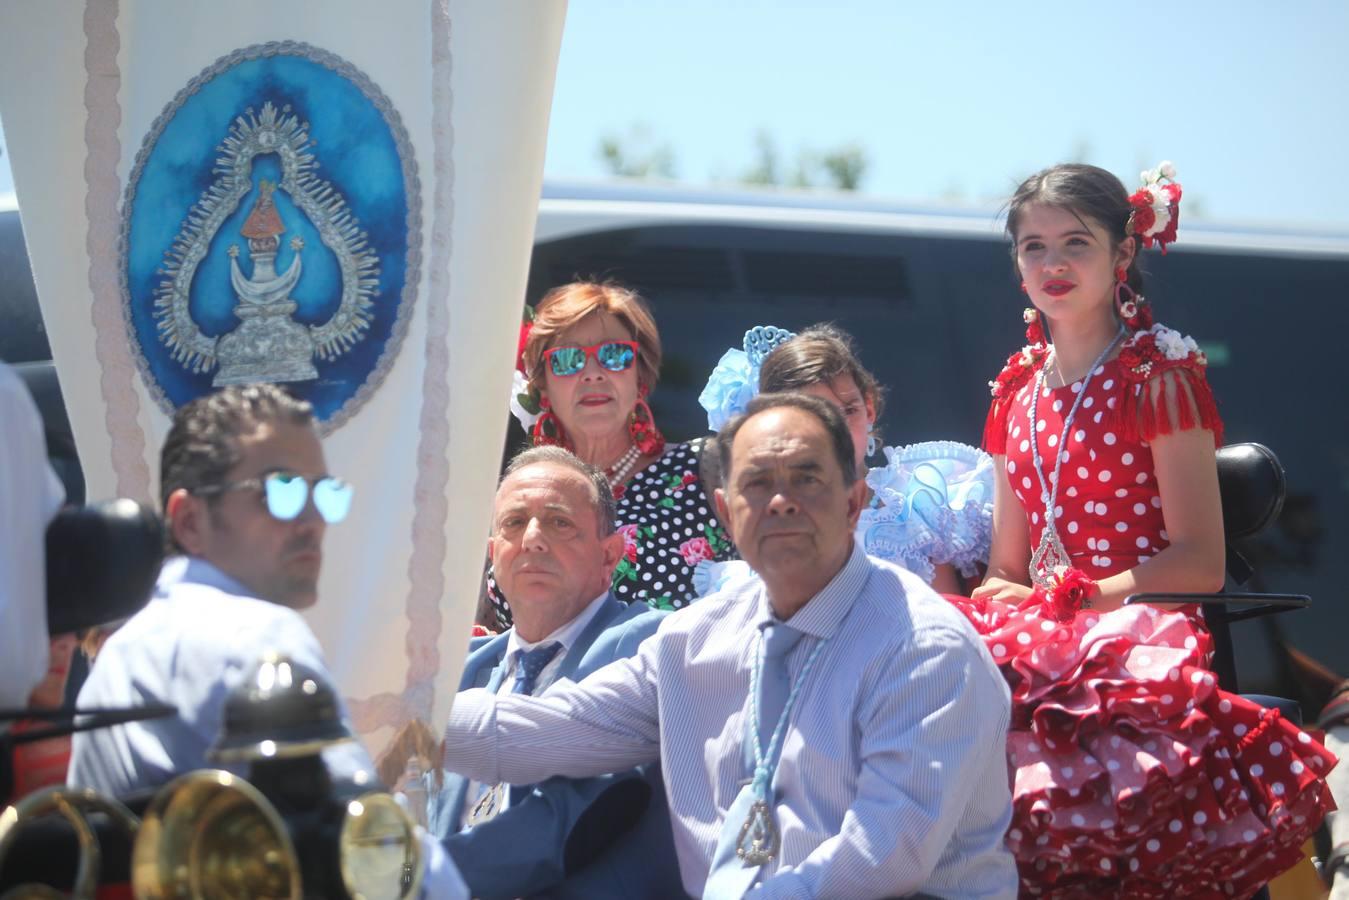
[
  {"x": 102, "y": 562},
  {"x": 1252, "y": 484}
]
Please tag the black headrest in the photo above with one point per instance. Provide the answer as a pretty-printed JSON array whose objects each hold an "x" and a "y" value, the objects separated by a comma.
[
  {"x": 1252, "y": 483},
  {"x": 102, "y": 562}
]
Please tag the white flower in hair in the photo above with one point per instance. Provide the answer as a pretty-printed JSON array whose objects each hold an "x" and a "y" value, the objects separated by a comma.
[
  {"x": 1174, "y": 344},
  {"x": 1161, "y": 209},
  {"x": 1167, "y": 169}
]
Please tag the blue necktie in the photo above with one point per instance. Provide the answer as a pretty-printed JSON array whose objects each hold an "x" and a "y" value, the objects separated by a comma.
[
  {"x": 527, "y": 668},
  {"x": 779, "y": 639},
  {"x": 730, "y": 877},
  {"x": 529, "y": 664}
]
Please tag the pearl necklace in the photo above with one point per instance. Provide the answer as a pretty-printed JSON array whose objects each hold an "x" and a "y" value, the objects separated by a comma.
[
  {"x": 1050, "y": 554},
  {"x": 617, "y": 474}
]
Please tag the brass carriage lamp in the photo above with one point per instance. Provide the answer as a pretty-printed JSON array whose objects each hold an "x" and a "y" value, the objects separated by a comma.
[{"x": 290, "y": 830}]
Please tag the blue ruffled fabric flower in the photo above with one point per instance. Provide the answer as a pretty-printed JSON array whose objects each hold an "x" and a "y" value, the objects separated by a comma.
[
  {"x": 710, "y": 576},
  {"x": 732, "y": 384},
  {"x": 934, "y": 505},
  {"x": 735, "y": 380}
]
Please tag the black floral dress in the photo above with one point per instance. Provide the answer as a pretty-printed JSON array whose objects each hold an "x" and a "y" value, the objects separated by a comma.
[{"x": 668, "y": 526}]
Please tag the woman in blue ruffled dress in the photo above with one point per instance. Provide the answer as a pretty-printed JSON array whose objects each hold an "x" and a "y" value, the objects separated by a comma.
[{"x": 931, "y": 507}]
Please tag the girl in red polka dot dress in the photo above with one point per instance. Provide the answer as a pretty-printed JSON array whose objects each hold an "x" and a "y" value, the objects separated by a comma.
[{"x": 1135, "y": 775}]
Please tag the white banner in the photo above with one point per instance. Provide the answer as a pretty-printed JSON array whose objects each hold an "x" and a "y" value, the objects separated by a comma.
[{"x": 334, "y": 194}]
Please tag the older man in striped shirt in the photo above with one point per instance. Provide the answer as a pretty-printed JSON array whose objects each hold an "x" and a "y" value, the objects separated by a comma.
[{"x": 829, "y": 728}]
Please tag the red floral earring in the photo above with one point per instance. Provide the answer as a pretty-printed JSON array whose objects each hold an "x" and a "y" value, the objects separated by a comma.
[
  {"x": 548, "y": 431},
  {"x": 646, "y": 437},
  {"x": 1035, "y": 332},
  {"x": 1132, "y": 308}
]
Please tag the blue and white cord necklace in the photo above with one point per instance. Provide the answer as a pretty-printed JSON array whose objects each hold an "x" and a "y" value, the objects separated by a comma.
[
  {"x": 1050, "y": 554},
  {"x": 759, "y": 838}
]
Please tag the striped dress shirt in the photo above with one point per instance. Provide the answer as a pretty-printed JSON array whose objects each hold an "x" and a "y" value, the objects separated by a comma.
[{"x": 893, "y": 777}]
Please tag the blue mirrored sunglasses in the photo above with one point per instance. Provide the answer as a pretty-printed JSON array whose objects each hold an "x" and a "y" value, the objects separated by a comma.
[
  {"x": 614, "y": 356},
  {"x": 286, "y": 494}
]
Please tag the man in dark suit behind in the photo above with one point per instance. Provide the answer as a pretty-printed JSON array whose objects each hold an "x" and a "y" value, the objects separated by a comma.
[{"x": 554, "y": 550}]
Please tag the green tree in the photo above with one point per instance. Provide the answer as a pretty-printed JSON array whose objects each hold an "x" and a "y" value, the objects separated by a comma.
[
  {"x": 765, "y": 169},
  {"x": 841, "y": 169},
  {"x": 637, "y": 155},
  {"x": 845, "y": 167}
]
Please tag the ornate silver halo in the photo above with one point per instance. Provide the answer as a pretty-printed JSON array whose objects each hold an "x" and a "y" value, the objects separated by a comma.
[{"x": 268, "y": 345}]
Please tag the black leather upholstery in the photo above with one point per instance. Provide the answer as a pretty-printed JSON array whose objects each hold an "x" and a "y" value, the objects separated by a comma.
[
  {"x": 102, "y": 561},
  {"x": 1252, "y": 483}
]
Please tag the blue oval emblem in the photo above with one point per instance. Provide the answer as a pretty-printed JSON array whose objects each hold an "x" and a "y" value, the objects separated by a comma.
[{"x": 272, "y": 232}]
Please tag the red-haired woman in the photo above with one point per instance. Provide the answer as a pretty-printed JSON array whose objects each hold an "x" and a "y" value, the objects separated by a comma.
[{"x": 588, "y": 360}]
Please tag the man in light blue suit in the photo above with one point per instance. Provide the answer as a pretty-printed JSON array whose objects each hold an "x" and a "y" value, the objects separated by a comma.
[{"x": 554, "y": 549}]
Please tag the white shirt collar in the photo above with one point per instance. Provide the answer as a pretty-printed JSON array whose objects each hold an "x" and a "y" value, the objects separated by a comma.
[
  {"x": 195, "y": 570},
  {"x": 566, "y": 635}
]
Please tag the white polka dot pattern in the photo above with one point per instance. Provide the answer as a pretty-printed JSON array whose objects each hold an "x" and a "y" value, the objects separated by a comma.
[
  {"x": 1113, "y": 476},
  {"x": 1120, "y": 730}
]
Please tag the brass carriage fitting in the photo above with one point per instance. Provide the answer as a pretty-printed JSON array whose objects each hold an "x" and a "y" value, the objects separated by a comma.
[{"x": 72, "y": 804}]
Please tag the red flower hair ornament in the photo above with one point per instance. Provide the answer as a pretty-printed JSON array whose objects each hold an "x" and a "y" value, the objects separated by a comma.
[
  {"x": 525, "y": 328},
  {"x": 525, "y": 404},
  {"x": 1156, "y": 207}
]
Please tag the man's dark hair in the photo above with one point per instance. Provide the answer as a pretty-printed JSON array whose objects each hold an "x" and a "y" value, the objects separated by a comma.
[
  {"x": 202, "y": 446},
  {"x": 829, "y": 417},
  {"x": 601, "y": 494}
]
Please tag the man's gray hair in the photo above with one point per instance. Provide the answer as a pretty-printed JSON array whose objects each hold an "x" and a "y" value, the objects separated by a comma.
[{"x": 601, "y": 494}]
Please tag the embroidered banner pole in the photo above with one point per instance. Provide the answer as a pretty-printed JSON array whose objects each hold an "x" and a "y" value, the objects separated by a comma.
[{"x": 308, "y": 194}]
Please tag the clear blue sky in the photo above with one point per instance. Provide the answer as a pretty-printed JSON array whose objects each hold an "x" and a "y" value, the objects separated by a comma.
[
  {"x": 963, "y": 99},
  {"x": 959, "y": 100}
]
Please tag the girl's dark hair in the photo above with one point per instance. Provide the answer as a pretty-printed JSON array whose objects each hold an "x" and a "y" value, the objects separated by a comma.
[
  {"x": 1085, "y": 191},
  {"x": 821, "y": 353}
]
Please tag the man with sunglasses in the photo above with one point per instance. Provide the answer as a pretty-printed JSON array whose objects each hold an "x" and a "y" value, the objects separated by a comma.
[{"x": 246, "y": 497}]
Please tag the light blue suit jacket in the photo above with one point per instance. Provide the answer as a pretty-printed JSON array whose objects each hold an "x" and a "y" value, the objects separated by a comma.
[{"x": 591, "y": 837}]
